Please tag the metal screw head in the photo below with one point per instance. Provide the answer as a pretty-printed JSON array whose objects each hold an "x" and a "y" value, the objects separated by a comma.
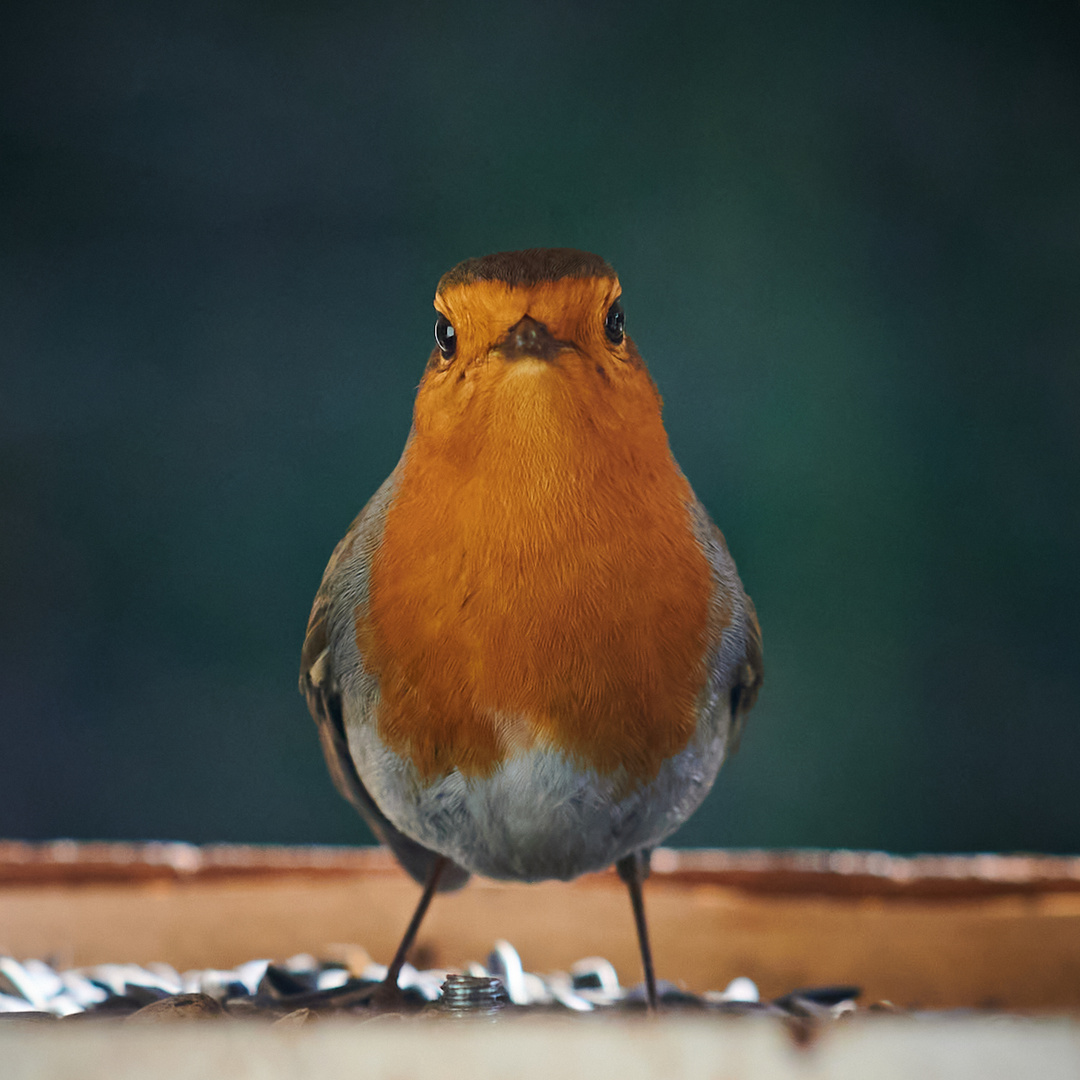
[{"x": 472, "y": 993}]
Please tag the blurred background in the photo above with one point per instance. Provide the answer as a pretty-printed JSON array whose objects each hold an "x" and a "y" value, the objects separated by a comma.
[{"x": 849, "y": 240}]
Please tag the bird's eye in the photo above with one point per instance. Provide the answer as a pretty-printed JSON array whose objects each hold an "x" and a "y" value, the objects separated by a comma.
[
  {"x": 615, "y": 323},
  {"x": 445, "y": 337}
]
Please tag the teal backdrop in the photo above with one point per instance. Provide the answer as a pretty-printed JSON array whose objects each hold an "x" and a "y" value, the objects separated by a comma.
[{"x": 849, "y": 239}]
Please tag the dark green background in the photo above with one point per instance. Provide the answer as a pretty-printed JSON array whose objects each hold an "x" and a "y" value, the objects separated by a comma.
[{"x": 849, "y": 239}]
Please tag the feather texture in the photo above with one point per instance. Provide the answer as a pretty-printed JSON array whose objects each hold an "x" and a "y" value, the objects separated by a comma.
[{"x": 532, "y": 651}]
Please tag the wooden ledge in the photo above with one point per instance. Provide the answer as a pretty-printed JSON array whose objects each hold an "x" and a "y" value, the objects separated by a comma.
[
  {"x": 934, "y": 931},
  {"x": 780, "y": 873}
]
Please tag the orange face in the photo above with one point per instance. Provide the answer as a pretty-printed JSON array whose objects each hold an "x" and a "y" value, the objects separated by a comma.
[
  {"x": 538, "y": 582},
  {"x": 479, "y": 386}
]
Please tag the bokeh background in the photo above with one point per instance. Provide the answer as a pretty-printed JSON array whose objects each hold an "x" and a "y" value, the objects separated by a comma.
[{"x": 849, "y": 239}]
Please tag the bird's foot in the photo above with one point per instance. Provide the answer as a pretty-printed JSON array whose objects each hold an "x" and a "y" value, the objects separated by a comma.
[{"x": 385, "y": 996}]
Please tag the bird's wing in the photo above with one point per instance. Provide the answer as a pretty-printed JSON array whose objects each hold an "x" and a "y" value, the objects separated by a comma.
[
  {"x": 750, "y": 675},
  {"x": 320, "y": 687},
  {"x": 730, "y": 598}
]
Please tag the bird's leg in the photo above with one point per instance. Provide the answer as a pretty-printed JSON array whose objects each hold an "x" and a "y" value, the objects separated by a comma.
[
  {"x": 634, "y": 869},
  {"x": 388, "y": 991}
]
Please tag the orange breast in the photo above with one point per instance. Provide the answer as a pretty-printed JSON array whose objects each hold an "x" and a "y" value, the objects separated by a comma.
[{"x": 539, "y": 586}]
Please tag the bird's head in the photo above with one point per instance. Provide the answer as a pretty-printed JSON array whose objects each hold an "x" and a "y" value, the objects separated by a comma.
[{"x": 531, "y": 342}]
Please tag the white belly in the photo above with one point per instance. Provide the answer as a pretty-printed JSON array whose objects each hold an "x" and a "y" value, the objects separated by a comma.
[{"x": 538, "y": 816}]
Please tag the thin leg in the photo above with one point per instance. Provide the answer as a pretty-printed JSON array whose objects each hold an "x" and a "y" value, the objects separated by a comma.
[
  {"x": 387, "y": 992},
  {"x": 633, "y": 870},
  {"x": 394, "y": 970}
]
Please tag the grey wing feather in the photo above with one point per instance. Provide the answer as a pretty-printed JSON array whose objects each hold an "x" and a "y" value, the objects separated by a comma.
[
  {"x": 746, "y": 677},
  {"x": 751, "y": 673},
  {"x": 320, "y": 688}
]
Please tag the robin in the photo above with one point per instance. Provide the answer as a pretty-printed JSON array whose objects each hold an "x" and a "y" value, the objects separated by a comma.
[{"x": 531, "y": 652}]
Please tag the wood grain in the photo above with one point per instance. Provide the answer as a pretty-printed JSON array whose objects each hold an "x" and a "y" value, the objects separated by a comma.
[{"x": 956, "y": 933}]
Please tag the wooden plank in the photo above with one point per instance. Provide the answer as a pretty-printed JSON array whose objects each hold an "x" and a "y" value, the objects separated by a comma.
[
  {"x": 1017, "y": 950},
  {"x": 860, "y": 873},
  {"x": 676, "y": 1048}
]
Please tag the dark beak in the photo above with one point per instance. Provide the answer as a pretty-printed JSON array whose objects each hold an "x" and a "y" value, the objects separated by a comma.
[{"x": 529, "y": 338}]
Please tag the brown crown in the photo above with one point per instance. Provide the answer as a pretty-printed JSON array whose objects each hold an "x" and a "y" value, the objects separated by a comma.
[{"x": 525, "y": 268}]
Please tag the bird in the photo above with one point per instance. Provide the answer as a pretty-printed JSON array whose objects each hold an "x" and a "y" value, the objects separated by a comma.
[{"x": 532, "y": 651}]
